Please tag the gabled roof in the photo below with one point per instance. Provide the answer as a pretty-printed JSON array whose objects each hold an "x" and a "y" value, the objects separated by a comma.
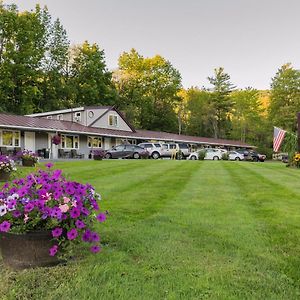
[
  {"x": 68, "y": 110},
  {"x": 118, "y": 112},
  {"x": 49, "y": 125}
]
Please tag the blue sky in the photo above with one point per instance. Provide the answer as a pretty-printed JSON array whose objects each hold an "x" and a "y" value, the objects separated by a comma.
[{"x": 251, "y": 39}]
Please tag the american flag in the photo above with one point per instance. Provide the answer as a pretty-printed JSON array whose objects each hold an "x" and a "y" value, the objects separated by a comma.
[{"x": 278, "y": 138}]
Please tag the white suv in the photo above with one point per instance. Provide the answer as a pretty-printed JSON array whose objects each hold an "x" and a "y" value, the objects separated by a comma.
[
  {"x": 154, "y": 149},
  {"x": 210, "y": 153}
]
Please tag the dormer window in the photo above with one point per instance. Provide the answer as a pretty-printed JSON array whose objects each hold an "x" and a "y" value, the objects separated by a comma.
[
  {"x": 60, "y": 117},
  {"x": 113, "y": 120},
  {"x": 77, "y": 117}
]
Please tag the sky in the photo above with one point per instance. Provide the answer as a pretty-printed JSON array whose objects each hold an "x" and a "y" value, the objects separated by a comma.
[{"x": 251, "y": 39}]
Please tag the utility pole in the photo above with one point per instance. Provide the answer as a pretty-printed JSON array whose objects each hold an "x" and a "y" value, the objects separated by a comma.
[{"x": 298, "y": 128}]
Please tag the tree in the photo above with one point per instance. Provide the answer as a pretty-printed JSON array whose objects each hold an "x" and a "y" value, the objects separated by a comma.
[
  {"x": 221, "y": 102},
  {"x": 285, "y": 98},
  {"x": 90, "y": 78},
  {"x": 148, "y": 91}
]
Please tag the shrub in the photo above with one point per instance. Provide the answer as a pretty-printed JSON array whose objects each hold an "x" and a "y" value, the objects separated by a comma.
[
  {"x": 225, "y": 156},
  {"x": 201, "y": 154},
  {"x": 45, "y": 200}
]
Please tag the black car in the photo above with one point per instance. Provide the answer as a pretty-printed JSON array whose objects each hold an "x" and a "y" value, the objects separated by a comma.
[
  {"x": 251, "y": 155},
  {"x": 127, "y": 151}
]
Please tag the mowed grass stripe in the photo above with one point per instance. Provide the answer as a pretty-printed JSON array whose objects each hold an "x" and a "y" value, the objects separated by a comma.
[{"x": 279, "y": 222}]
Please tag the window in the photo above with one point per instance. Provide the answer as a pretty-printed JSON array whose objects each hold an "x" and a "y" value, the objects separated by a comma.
[
  {"x": 113, "y": 120},
  {"x": 60, "y": 117},
  {"x": 77, "y": 117},
  {"x": 158, "y": 145},
  {"x": 69, "y": 141},
  {"x": 94, "y": 142},
  {"x": 49, "y": 117},
  {"x": 10, "y": 138}
]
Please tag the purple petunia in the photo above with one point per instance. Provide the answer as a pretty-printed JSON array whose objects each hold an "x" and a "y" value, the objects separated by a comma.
[
  {"x": 28, "y": 207},
  {"x": 53, "y": 250},
  {"x": 86, "y": 237},
  {"x": 74, "y": 213},
  {"x": 95, "y": 237},
  {"x": 57, "y": 232},
  {"x": 49, "y": 165},
  {"x": 79, "y": 224},
  {"x": 101, "y": 217},
  {"x": 4, "y": 226},
  {"x": 56, "y": 213},
  {"x": 95, "y": 249},
  {"x": 72, "y": 234},
  {"x": 16, "y": 214}
]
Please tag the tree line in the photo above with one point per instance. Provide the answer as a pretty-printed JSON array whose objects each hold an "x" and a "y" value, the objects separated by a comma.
[{"x": 41, "y": 71}]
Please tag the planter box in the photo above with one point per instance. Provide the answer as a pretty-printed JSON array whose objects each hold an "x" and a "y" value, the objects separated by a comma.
[
  {"x": 98, "y": 157},
  {"x": 28, "y": 162},
  {"x": 29, "y": 250},
  {"x": 4, "y": 176}
]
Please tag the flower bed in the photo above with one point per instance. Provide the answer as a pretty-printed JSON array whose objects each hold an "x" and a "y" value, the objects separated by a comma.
[
  {"x": 47, "y": 201},
  {"x": 98, "y": 154}
]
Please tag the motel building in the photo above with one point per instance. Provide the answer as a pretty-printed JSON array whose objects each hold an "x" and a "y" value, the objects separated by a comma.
[{"x": 84, "y": 129}]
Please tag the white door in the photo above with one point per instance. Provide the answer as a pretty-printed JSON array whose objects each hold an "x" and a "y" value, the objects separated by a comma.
[{"x": 29, "y": 141}]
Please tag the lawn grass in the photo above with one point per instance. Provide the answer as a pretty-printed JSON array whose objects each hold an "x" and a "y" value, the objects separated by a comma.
[{"x": 181, "y": 230}]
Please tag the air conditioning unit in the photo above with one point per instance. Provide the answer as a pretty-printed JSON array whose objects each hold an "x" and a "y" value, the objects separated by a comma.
[{"x": 77, "y": 119}]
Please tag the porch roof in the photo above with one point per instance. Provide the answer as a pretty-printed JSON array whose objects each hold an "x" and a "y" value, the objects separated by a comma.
[{"x": 50, "y": 125}]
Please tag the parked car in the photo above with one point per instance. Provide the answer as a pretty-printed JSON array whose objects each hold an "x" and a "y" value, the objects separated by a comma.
[
  {"x": 234, "y": 155},
  {"x": 154, "y": 149},
  {"x": 251, "y": 155},
  {"x": 169, "y": 148},
  {"x": 127, "y": 151},
  {"x": 210, "y": 154}
]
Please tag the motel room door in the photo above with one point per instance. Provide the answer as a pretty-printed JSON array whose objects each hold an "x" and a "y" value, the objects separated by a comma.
[{"x": 29, "y": 141}]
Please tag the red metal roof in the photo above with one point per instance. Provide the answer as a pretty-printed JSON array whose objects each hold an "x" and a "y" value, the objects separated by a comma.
[{"x": 43, "y": 124}]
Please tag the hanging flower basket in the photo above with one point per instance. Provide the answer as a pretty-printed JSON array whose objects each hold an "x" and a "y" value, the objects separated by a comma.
[{"x": 56, "y": 140}]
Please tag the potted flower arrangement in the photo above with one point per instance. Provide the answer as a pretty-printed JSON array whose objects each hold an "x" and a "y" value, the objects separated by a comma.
[
  {"x": 7, "y": 165},
  {"x": 29, "y": 158},
  {"x": 43, "y": 215},
  {"x": 98, "y": 154}
]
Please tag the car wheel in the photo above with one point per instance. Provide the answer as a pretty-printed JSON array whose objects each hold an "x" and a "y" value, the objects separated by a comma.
[
  {"x": 155, "y": 155},
  {"x": 215, "y": 158},
  {"x": 255, "y": 159},
  {"x": 237, "y": 158},
  {"x": 136, "y": 156},
  {"x": 108, "y": 156},
  {"x": 193, "y": 157}
]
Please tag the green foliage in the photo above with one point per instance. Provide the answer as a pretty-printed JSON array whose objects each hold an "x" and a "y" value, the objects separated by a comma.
[
  {"x": 148, "y": 90},
  {"x": 225, "y": 156},
  {"x": 285, "y": 98},
  {"x": 221, "y": 103},
  {"x": 201, "y": 154},
  {"x": 290, "y": 145}
]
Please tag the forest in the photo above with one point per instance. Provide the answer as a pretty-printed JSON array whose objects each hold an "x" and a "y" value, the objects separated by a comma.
[{"x": 41, "y": 71}]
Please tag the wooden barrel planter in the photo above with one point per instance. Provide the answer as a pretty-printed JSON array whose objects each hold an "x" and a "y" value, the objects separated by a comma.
[
  {"x": 28, "y": 162},
  {"x": 29, "y": 250},
  {"x": 4, "y": 176}
]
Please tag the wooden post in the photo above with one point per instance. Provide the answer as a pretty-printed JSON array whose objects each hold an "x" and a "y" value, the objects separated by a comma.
[{"x": 298, "y": 123}]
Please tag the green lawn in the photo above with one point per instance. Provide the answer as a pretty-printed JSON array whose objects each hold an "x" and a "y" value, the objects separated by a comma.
[{"x": 181, "y": 230}]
